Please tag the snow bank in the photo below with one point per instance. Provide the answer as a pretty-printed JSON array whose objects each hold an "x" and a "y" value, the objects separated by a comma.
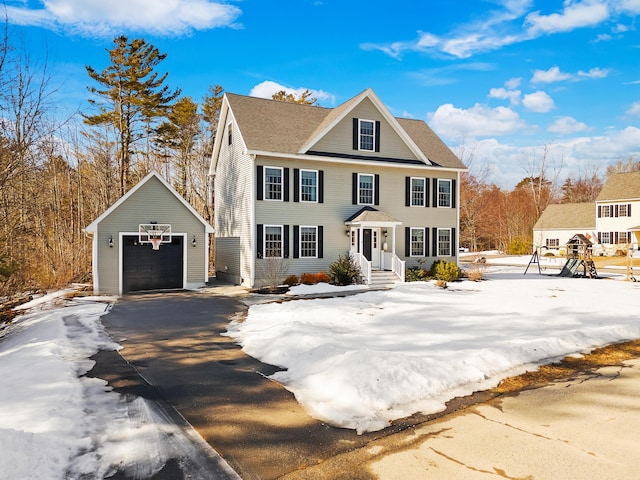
[{"x": 362, "y": 361}]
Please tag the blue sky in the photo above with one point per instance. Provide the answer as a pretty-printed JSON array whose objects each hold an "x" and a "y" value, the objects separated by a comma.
[{"x": 511, "y": 83}]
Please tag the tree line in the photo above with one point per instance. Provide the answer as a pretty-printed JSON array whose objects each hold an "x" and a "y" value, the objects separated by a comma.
[
  {"x": 58, "y": 175},
  {"x": 494, "y": 218}
]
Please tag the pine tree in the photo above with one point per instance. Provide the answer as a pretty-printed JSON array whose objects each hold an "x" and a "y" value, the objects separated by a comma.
[{"x": 131, "y": 98}]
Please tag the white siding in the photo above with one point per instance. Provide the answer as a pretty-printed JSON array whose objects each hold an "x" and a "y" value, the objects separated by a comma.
[{"x": 233, "y": 205}]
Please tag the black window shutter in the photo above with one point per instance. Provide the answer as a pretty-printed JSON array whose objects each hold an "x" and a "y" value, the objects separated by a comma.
[
  {"x": 599, "y": 237},
  {"x": 426, "y": 241},
  {"x": 454, "y": 248},
  {"x": 259, "y": 182},
  {"x": 453, "y": 193},
  {"x": 407, "y": 242},
  {"x": 376, "y": 192},
  {"x": 615, "y": 237},
  {"x": 285, "y": 184},
  {"x": 377, "y": 136},
  {"x": 435, "y": 192},
  {"x": 434, "y": 241},
  {"x": 356, "y": 134},
  {"x": 296, "y": 184},
  {"x": 628, "y": 210},
  {"x": 259, "y": 241},
  {"x": 599, "y": 211},
  {"x": 407, "y": 191},
  {"x": 321, "y": 186},
  {"x": 426, "y": 192},
  {"x": 296, "y": 241},
  {"x": 354, "y": 188},
  {"x": 320, "y": 242},
  {"x": 617, "y": 210},
  {"x": 286, "y": 241}
]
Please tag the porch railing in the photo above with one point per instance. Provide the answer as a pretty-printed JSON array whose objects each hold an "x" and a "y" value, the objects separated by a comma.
[
  {"x": 365, "y": 266},
  {"x": 398, "y": 266}
]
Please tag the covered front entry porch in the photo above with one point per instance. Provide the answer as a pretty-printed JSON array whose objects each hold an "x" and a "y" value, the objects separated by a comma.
[{"x": 372, "y": 236}]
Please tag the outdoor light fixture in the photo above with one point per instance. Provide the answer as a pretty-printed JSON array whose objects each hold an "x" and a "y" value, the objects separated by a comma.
[
  {"x": 347, "y": 232},
  {"x": 385, "y": 233},
  {"x": 193, "y": 242},
  {"x": 110, "y": 241}
]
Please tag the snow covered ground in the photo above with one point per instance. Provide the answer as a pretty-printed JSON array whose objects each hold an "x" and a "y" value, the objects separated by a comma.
[
  {"x": 56, "y": 424},
  {"x": 362, "y": 361},
  {"x": 356, "y": 362}
]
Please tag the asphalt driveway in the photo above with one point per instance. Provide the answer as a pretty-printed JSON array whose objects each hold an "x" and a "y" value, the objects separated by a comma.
[{"x": 173, "y": 340}]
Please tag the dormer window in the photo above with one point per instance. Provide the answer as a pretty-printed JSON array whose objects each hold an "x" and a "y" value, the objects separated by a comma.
[{"x": 367, "y": 135}]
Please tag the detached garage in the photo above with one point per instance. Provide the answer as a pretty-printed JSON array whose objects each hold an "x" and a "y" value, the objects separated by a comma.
[{"x": 150, "y": 239}]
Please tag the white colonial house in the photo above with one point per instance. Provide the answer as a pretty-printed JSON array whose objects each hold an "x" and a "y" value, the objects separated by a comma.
[{"x": 612, "y": 222}]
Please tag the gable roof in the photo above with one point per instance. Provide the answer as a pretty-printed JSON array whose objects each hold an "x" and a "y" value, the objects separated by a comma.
[
  {"x": 620, "y": 186},
  {"x": 567, "y": 215},
  {"x": 294, "y": 128},
  {"x": 371, "y": 215},
  {"x": 93, "y": 226}
]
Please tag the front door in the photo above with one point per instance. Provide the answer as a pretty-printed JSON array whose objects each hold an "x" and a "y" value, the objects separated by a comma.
[{"x": 371, "y": 246}]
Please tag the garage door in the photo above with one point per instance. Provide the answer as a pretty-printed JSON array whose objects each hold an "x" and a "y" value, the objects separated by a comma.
[{"x": 147, "y": 269}]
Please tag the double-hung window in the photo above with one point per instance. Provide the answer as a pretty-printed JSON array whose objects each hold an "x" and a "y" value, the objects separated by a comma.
[
  {"x": 622, "y": 210},
  {"x": 366, "y": 129},
  {"x": 273, "y": 183},
  {"x": 444, "y": 242},
  {"x": 552, "y": 242},
  {"x": 417, "y": 192},
  {"x": 444, "y": 193},
  {"x": 273, "y": 241},
  {"x": 308, "y": 242},
  {"x": 417, "y": 242},
  {"x": 365, "y": 189},
  {"x": 308, "y": 185}
]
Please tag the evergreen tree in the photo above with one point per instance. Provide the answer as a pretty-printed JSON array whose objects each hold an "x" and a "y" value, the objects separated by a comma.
[{"x": 131, "y": 98}]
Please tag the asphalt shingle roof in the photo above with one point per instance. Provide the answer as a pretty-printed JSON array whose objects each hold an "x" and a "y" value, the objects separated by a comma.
[
  {"x": 283, "y": 127},
  {"x": 620, "y": 186},
  {"x": 567, "y": 215}
]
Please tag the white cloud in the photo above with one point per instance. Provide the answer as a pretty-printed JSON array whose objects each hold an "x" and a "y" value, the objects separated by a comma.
[
  {"x": 506, "y": 162},
  {"x": 548, "y": 76},
  {"x": 593, "y": 73},
  {"x": 99, "y": 18},
  {"x": 574, "y": 15},
  {"x": 512, "y": 95},
  {"x": 631, "y": 7},
  {"x": 538, "y": 102},
  {"x": 478, "y": 121},
  {"x": 555, "y": 75},
  {"x": 634, "y": 109},
  {"x": 267, "y": 88},
  {"x": 513, "y": 83},
  {"x": 503, "y": 26},
  {"x": 567, "y": 125}
]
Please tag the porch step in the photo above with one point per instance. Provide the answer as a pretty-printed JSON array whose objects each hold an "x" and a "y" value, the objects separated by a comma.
[{"x": 383, "y": 279}]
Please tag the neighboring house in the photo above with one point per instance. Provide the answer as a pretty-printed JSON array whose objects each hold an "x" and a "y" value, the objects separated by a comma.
[
  {"x": 612, "y": 222},
  {"x": 560, "y": 222},
  {"x": 618, "y": 213},
  {"x": 298, "y": 185},
  {"x": 124, "y": 259}
]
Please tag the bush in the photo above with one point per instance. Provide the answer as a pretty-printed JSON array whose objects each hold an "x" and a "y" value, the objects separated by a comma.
[
  {"x": 416, "y": 274},
  {"x": 445, "y": 271},
  {"x": 519, "y": 246},
  {"x": 476, "y": 272},
  {"x": 344, "y": 271},
  {"x": 322, "y": 277},
  {"x": 308, "y": 278},
  {"x": 291, "y": 280}
]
